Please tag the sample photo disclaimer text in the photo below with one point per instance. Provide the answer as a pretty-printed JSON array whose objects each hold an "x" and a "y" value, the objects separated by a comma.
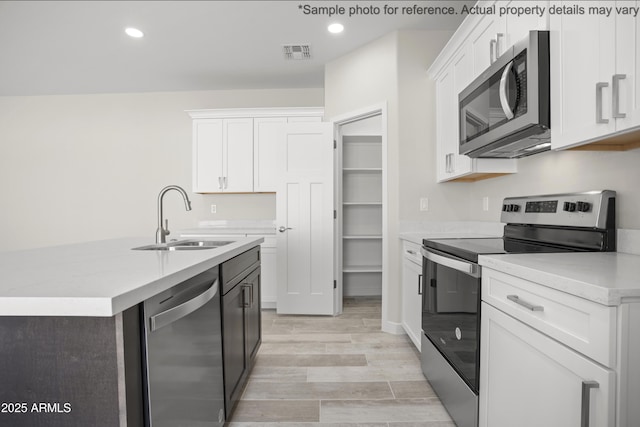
[
  {"x": 421, "y": 8},
  {"x": 35, "y": 408}
]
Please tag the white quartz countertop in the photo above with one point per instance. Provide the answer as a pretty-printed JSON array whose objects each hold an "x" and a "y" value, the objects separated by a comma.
[
  {"x": 100, "y": 278},
  {"x": 608, "y": 278}
]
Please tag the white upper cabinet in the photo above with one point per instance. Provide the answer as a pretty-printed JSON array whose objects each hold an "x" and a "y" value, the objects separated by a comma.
[
  {"x": 234, "y": 150},
  {"x": 594, "y": 76},
  {"x": 628, "y": 65},
  {"x": 265, "y": 143},
  {"x": 494, "y": 34},
  {"x": 237, "y": 155},
  {"x": 487, "y": 41},
  {"x": 223, "y": 155},
  {"x": 518, "y": 27},
  {"x": 479, "y": 41},
  {"x": 207, "y": 156}
]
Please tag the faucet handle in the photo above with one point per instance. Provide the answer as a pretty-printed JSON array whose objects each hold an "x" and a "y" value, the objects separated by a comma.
[{"x": 166, "y": 227}]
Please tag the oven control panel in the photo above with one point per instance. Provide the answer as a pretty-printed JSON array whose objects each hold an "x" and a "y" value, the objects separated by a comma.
[{"x": 588, "y": 209}]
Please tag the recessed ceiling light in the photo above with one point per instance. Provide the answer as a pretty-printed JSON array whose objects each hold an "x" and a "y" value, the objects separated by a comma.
[
  {"x": 134, "y": 32},
  {"x": 335, "y": 28}
]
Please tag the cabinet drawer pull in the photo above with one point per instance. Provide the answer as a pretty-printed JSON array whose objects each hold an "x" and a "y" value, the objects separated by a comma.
[
  {"x": 615, "y": 89},
  {"x": 599, "y": 87},
  {"x": 412, "y": 252},
  {"x": 517, "y": 300},
  {"x": 586, "y": 401}
]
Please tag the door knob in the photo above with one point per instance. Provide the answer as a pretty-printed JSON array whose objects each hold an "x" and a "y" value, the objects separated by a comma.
[{"x": 282, "y": 229}]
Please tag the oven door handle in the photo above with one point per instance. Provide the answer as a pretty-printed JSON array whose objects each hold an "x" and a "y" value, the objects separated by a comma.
[{"x": 462, "y": 266}]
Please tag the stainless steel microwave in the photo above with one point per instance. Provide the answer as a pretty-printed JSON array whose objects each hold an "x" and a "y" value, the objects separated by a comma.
[{"x": 504, "y": 113}]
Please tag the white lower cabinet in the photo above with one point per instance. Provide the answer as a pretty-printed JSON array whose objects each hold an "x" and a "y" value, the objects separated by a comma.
[
  {"x": 412, "y": 292},
  {"x": 530, "y": 380},
  {"x": 268, "y": 273}
]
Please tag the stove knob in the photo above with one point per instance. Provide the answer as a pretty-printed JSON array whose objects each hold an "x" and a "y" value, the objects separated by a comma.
[
  {"x": 504, "y": 208},
  {"x": 515, "y": 208},
  {"x": 583, "y": 206}
]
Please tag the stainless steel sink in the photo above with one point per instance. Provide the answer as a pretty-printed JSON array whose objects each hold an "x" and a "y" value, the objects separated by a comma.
[{"x": 184, "y": 245}]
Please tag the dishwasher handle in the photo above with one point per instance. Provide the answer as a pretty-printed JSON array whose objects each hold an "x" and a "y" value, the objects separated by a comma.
[{"x": 175, "y": 313}]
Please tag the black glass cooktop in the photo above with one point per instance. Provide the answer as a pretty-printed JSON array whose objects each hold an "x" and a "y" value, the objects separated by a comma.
[{"x": 470, "y": 248}]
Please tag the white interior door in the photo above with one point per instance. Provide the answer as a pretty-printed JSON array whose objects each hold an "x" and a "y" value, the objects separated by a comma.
[{"x": 304, "y": 213}]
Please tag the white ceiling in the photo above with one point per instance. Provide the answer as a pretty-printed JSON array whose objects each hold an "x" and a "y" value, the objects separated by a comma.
[{"x": 73, "y": 47}]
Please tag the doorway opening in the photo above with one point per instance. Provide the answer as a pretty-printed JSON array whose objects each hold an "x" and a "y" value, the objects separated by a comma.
[{"x": 361, "y": 231}]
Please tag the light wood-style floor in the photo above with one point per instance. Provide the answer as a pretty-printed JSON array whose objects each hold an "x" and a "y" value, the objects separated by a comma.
[{"x": 337, "y": 371}]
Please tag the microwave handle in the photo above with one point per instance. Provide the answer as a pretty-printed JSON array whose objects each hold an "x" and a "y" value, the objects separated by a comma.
[{"x": 504, "y": 101}]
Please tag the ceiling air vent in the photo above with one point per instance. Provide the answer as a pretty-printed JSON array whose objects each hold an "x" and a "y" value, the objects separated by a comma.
[{"x": 296, "y": 51}]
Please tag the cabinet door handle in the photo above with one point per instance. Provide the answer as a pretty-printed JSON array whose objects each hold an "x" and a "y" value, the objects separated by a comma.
[
  {"x": 517, "y": 300},
  {"x": 419, "y": 284},
  {"x": 224, "y": 180},
  {"x": 246, "y": 303},
  {"x": 411, "y": 252},
  {"x": 586, "y": 401},
  {"x": 219, "y": 183},
  {"x": 615, "y": 90},
  {"x": 599, "y": 87},
  {"x": 492, "y": 51},
  {"x": 499, "y": 36},
  {"x": 449, "y": 168}
]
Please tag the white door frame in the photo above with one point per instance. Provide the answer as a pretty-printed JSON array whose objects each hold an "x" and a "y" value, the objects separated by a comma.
[{"x": 338, "y": 121}]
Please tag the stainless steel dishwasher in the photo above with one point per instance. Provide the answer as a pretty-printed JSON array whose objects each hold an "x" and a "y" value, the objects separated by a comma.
[{"x": 183, "y": 344}]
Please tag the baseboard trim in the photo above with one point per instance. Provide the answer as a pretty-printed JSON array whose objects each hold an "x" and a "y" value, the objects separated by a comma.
[{"x": 393, "y": 328}]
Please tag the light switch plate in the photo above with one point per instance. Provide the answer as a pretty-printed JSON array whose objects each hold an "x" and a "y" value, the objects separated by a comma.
[
  {"x": 424, "y": 203},
  {"x": 485, "y": 203},
  {"x": 214, "y": 208}
]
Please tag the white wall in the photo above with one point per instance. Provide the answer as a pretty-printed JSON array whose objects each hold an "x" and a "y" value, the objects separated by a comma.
[
  {"x": 87, "y": 167},
  {"x": 417, "y": 157},
  {"x": 566, "y": 171}
]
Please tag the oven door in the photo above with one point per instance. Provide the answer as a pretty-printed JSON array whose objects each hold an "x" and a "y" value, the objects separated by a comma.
[{"x": 451, "y": 311}]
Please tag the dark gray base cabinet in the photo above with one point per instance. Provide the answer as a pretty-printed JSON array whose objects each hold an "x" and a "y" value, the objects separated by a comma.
[
  {"x": 71, "y": 371},
  {"x": 241, "y": 322}
]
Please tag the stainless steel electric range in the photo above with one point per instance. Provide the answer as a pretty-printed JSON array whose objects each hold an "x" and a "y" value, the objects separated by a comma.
[{"x": 452, "y": 283}]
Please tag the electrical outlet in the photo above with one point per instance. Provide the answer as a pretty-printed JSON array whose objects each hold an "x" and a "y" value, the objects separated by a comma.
[
  {"x": 214, "y": 208},
  {"x": 424, "y": 203},
  {"x": 485, "y": 203}
]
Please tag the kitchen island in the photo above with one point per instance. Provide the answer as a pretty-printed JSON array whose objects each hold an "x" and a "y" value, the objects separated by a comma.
[{"x": 71, "y": 350}]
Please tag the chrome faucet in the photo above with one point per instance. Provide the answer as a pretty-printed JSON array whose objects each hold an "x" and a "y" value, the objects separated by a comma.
[{"x": 163, "y": 232}]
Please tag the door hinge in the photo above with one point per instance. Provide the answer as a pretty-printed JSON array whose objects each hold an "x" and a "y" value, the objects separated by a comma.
[
  {"x": 335, "y": 284},
  {"x": 335, "y": 214},
  {"x": 335, "y": 144}
]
